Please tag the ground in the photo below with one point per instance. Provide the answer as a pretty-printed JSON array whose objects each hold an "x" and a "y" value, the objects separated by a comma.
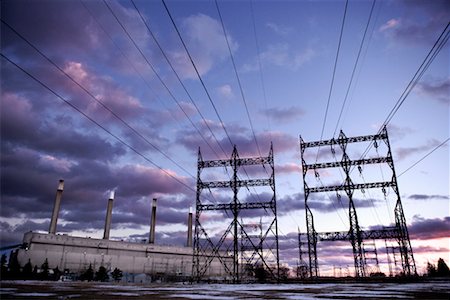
[{"x": 439, "y": 289}]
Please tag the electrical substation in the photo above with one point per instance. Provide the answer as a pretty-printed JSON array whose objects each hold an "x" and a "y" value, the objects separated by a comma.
[
  {"x": 362, "y": 241},
  {"x": 236, "y": 229},
  {"x": 245, "y": 242}
]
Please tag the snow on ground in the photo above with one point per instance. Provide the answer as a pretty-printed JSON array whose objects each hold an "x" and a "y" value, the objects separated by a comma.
[{"x": 88, "y": 290}]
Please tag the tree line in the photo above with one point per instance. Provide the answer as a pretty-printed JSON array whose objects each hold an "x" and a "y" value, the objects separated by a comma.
[{"x": 11, "y": 270}]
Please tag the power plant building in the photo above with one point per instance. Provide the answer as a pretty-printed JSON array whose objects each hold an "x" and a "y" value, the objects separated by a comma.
[{"x": 77, "y": 253}]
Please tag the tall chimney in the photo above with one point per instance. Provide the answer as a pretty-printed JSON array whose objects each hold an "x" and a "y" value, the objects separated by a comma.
[
  {"x": 189, "y": 233},
  {"x": 54, "y": 220},
  {"x": 151, "y": 239},
  {"x": 108, "y": 216}
]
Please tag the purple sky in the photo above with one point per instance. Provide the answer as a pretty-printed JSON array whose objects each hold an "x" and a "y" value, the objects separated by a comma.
[{"x": 156, "y": 119}]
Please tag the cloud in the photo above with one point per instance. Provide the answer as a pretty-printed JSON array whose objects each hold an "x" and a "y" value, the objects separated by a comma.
[
  {"x": 318, "y": 203},
  {"x": 206, "y": 43},
  {"x": 421, "y": 197},
  {"x": 426, "y": 229},
  {"x": 225, "y": 91},
  {"x": 279, "y": 114},
  {"x": 281, "y": 55},
  {"x": 288, "y": 168},
  {"x": 404, "y": 152},
  {"x": 279, "y": 29},
  {"x": 434, "y": 15},
  {"x": 397, "y": 132},
  {"x": 439, "y": 90},
  {"x": 20, "y": 125},
  {"x": 392, "y": 23},
  {"x": 240, "y": 136}
]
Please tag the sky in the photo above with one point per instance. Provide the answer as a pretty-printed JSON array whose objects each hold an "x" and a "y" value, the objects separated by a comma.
[{"x": 92, "y": 94}]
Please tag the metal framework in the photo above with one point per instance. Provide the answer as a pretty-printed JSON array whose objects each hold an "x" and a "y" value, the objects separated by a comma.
[
  {"x": 302, "y": 267},
  {"x": 355, "y": 235},
  {"x": 236, "y": 238},
  {"x": 251, "y": 236}
]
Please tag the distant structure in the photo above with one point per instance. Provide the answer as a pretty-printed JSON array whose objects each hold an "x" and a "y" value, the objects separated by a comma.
[
  {"x": 237, "y": 240},
  {"x": 355, "y": 235},
  {"x": 75, "y": 254}
]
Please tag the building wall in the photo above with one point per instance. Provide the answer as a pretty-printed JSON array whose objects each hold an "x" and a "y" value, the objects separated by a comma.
[{"x": 76, "y": 253}]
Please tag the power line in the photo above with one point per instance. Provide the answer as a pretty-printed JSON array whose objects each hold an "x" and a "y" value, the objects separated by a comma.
[
  {"x": 423, "y": 157},
  {"x": 203, "y": 84},
  {"x": 261, "y": 77},
  {"x": 237, "y": 76},
  {"x": 438, "y": 45},
  {"x": 176, "y": 74},
  {"x": 332, "y": 78},
  {"x": 354, "y": 68},
  {"x": 197, "y": 72},
  {"x": 130, "y": 62},
  {"x": 157, "y": 75},
  {"x": 242, "y": 95},
  {"x": 96, "y": 99},
  {"x": 434, "y": 51},
  {"x": 96, "y": 123}
]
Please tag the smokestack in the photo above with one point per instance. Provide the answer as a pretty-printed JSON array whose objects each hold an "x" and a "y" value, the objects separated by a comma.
[
  {"x": 54, "y": 220},
  {"x": 189, "y": 233},
  {"x": 108, "y": 216},
  {"x": 151, "y": 239}
]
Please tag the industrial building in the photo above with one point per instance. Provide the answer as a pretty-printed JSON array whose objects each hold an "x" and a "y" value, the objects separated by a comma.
[{"x": 77, "y": 253}]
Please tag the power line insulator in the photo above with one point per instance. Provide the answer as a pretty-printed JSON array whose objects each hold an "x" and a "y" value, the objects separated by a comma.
[{"x": 316, "y": 173}]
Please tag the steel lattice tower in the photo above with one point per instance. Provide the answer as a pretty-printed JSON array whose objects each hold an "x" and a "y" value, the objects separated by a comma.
[
  {"x": 355, "y": 235},
  {"x": 226, "y": 249}
]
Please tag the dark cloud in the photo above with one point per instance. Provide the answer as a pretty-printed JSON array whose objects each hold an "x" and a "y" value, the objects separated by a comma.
[
  {"x": 425, "y": 229},
  {"x": 435, "y": 16},
  {"x": 241, "y": 137},
  {"x": 283, "y": 114},
  {"x": 288, "y": 168},
  {"x": 438, "y": 90},
  {"x": 428, "y": 197},
  {"x": 398, "y": 132},
  {"x": 321, "y": 204},
  {"x": 403, "y": 152}
]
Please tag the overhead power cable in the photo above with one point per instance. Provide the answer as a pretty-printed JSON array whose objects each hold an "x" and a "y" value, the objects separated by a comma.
[
  {"x": 332, "y": 78},
  {"x": 423, "y": 157},
  {"x": 157, "y": 75},
  {"x": 354, "y": 68},
  {"x": 434, "y": 51},
  {"x": 237, "y": 76},
  {"x": 261, "y": 77},
  {"x": 202, "y": 82},
  {"x": 197, "y": 72},
  {"x": 130, "y": 62},
  {"x": 178, "y": 77},
  {"x": 96, "y": 123},
  {"x": 96, "y": 99},
  {"x": 438, "y": 45}
]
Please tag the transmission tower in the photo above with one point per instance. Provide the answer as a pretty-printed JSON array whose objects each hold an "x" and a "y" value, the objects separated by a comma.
[
  {"x": 355, "y": 235},
  {"x": 225, "y": 247},
  {"x": 251, "y": 234},
  {"x": 371, "y": 264},
  {"x": 302, "y": 268}
]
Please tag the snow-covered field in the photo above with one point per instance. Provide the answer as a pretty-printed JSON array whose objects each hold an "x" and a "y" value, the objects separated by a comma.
[{"x": 91, "y": 290}]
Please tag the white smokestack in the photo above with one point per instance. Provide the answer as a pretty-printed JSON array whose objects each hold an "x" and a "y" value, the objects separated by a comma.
[
  {"x": 54, "y": 220},
  {"x": 108, "y": 215}
]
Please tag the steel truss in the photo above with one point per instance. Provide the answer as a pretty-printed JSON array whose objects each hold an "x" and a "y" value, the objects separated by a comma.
[
  {"x": 237, "y": 242},
  {"x": 355, "y": 235}
]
